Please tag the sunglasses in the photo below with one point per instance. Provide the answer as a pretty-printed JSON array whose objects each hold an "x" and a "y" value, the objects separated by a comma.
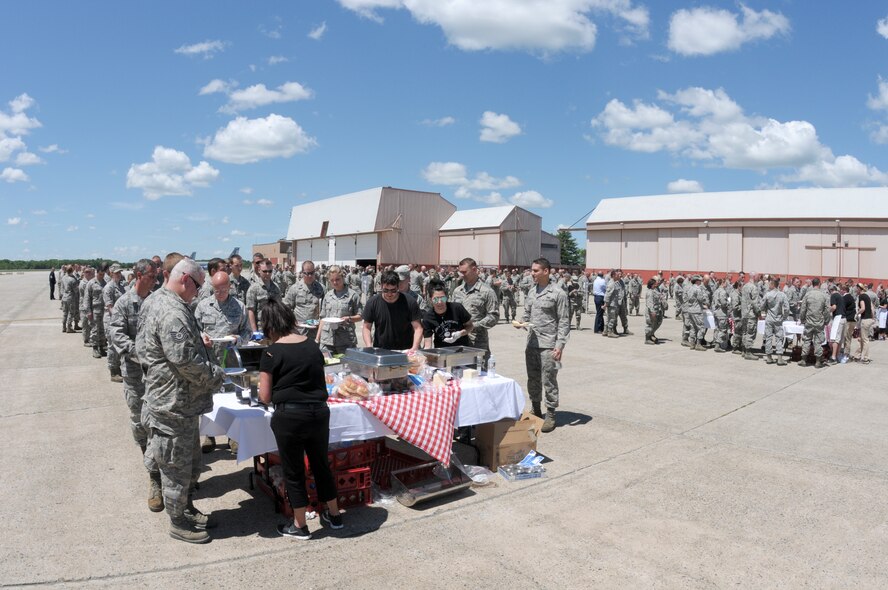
[
  {"x": 266, "y": 272},
  {"x": 390, "y": 291},
  {"x": 442, "y": 299},
  {"x": 196, "y": 284}
]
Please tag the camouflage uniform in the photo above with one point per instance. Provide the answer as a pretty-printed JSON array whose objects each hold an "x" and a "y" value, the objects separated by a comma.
[
  {"x": 239, "y": 287},
  {"x": 695, "y": 302},
  {"x": 655, "y": 309},
  {"x": 256, "y": 296},
  {"x": 84, "y": 313},
  {"x": 614, "y": 295},
  {"x": 180, "y": 380},
  {"x": 110, "y": 294},
  {"x": 549, "y": 311},
  {"x": 750, "y": 308},
  {"x": 634, "y": 289},
  {"x": 575, "y": 298},
  {"x": 482, "y": 304},
  {"x": 507, "y": 289},
  {"x": 223, "y": 319},
  {"x": 720, "y": 311},
  {"x": 305, "y": 300},
  {"x": 777, "y": 308},
  {"x": 70, "y": 302},
  {"x": 96, "y": 305},
  {"x": 814, "y": 313},
  {"x": 335, "y": 338}
]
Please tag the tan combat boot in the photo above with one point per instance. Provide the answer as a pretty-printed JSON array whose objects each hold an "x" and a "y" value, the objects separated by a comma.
[
  {"x": 182, "y": 530},
  {"x": 155, "y": 493},
  {"x": 549, "y": 423}
]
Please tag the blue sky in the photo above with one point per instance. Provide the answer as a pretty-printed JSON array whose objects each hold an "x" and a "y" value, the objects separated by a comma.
[{"x": 132, "y": 129}]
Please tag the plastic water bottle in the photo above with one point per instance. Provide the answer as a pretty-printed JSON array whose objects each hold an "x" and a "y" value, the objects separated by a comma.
[{"x": 491, "y": 366}]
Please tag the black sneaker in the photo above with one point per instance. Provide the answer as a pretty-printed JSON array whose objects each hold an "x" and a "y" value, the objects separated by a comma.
[
  {"x": 294, "y": 532},
  {"x": 334, "y": 522}
]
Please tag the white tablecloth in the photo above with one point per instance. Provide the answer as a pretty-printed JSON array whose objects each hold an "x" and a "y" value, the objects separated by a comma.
[
  {"x": 483, "y": 400},
  {"x": 791, "y": 328}
]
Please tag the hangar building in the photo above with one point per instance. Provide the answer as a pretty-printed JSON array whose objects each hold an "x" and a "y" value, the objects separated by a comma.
[{"x": 493, "y": 236}]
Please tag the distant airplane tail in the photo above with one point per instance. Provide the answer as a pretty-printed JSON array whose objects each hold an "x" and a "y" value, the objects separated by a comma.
[
  {"x": 193, "y": 255},
  {"x": 235, "y": 252}
]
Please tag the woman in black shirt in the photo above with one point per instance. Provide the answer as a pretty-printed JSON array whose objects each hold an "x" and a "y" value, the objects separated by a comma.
[
  {"x": 445, "y": 320},
  {"x": 292, "y": 377}
]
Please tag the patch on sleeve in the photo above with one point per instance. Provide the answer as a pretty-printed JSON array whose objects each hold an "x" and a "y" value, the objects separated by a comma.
[{"x": 179, "y": 336}]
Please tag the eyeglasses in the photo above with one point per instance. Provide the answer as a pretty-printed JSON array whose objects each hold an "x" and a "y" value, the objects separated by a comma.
[
  {"x": 266, "y": 272},
  {"x": 389, "y": 291},
  {"x": 308, "y": 274},
  {"x": 442, "y": 299},
  {"x": 196, "y": 284}
]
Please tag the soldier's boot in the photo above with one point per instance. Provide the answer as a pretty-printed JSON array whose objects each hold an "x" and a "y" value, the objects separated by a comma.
[
  {"x": 803, "y": 363},
  {"x": 819, "y": 363},
  {"x": 196, "y": 517},
  {"x": 700, "y": 347},
  {"x": 549, "y": 423},
  {"x": 77, "y": 326},
  {"x": 721, "y": 348},
  {"x": 748, "y": 355},
  {"x": 685, "y": 343},
  {"x": 181, "y": 529},
  {"x": 769, "y": 359},
  {"x": 737, "y": 350},
  {"x": 155, "y": 493},
  {"x": 232, "y": 446},
  {"x": 781, "y": 362},
  {"x": 103, "y": 351},
  {"x": 207, "y": 444},
  {"x": 97, "y": 353},
  {"x": 650, "y": 340},
  {"x": 537, "y": 409},
  {"x": 116, "y": 377},
  {"x": 611, "y": 335},
  {"x": 627, "y": 332}
]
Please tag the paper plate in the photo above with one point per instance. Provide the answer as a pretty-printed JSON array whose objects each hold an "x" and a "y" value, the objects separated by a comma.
[
  {"x": 224, "y": 339},
  {"x": 332, "y": 320}
]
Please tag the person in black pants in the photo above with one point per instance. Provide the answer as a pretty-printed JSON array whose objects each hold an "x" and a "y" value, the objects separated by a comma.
[
  {"x": 292, "y": 378},
  {"x": 52, "y": 283}
]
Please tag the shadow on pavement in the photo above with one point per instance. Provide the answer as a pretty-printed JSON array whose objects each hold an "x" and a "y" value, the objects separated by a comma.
[{"x": 571, "y": 418}]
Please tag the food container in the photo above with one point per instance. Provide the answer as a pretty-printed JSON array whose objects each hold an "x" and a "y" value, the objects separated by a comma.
[
  {"x": 427, "y": 481},
  {"x": 448, "y": 357},
  {"x": 376, "y": 364}
]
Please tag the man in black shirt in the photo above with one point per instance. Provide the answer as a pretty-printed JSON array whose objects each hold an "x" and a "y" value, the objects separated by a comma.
[
  {"x": 394, "y": 318},
  {"x": 850, "y": 319},
  {"x": 445, "y": 323}
]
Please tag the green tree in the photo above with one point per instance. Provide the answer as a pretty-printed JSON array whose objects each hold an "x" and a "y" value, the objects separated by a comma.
[{"x": 571, "y": 255}]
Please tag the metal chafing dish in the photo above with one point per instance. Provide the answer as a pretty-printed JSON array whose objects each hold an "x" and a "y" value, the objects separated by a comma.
[
  {"x": 241, "y": 365},
  {"x": 449, "y": 357},
  {"x": 376, "y": 364}
]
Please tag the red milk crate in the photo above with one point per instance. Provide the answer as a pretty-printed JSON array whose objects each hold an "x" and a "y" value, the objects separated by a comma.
[{"x": 381, "y": 470}]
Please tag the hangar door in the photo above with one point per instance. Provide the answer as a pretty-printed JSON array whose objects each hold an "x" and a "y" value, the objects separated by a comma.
[{"x": 765, "y": 249}]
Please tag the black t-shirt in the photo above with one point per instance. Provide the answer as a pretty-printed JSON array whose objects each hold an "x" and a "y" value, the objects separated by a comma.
[
  {"x": 297, "y": 372},
  {"x": 836, "y": 299},
  {"x": 391, "y": 321},
  {"x": 850, "y": 307},
  {"x": 867, "y": 306},
  {"x": 454, "y": 318}
]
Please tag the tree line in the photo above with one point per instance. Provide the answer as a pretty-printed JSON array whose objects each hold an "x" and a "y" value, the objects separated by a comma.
[{"x": 56, "y": 263}]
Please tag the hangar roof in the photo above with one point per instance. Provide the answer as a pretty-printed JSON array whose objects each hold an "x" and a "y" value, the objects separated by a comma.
[
  {"x": 354, "y": 213},
  {"x": 478, "y": 218},
  {"x": 801, "y": 203}
]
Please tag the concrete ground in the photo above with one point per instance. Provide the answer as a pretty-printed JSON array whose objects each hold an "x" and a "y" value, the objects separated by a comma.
[{"x": 672, "y": 469}]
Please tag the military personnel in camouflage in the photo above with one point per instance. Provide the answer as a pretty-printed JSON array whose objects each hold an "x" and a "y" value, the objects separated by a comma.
[
  {"x": 339, "y": 302},
  {"x": 206, "y": 292},
  {"x": 481, "y": 303},
  {"x": 678, "y": 293},
  {"x": 88, "y": 274},
  {"x": 634, "y": 292},
  {"x": 259, "y": 293},
  {"x": 524, "y": 285},
  {"x": 720, "y": 311},
  {"x": 96, "y": 305},
  {"x": 575, "y": 299},
  {"x": 122, "y": 335},
  {"x": 113, "y": 291},
  {"x": 655, "y": 310},
  {"x": 304, "y": 298},
  {"x": 794, "y": 297},
  {"x": 750, "y": 309},
  {"x": 814, "y": 313},
  {"x": 736, "y": 297},
  {"x": 776, "y": 308},
  {"x": 239, "y": 284},
  {"x": 547, "y": 312},
  {"x": 696, "y": 303},
  {"x": 180, "y": 380},
  {"x": 508, "y": 290},
  {"x": 222, "y": 315},
  {"x": 70, "y": 300},
  {"x": 614, "y": 295}
]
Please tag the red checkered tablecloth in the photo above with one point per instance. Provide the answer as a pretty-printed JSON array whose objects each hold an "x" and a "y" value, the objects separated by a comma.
[{"x": 424, "y": 419}]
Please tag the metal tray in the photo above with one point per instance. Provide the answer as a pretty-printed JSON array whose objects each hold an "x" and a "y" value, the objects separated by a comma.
[
  {"x": 377, "y": 374},
  {"x": 452, "y": 356},
  {"x": 421, "y": 483},
  {"x": 375, "y": 357}
]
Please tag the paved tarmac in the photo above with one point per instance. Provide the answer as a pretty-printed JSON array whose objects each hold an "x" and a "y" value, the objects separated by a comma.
[{"x": 672, "y": 469}]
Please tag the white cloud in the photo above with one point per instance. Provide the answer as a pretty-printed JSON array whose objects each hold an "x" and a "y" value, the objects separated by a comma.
[
  {"x": 880, "y": 101},
  {"x": 274, "y": 33},
  {"x": 264, "y": 202},
  {"x": 53, "y": 149},
  {"x": 539, "y": 26},
  {"x": 684, "y": 186},
  {"x": 706, "y": 31},
  {"x": 72, "y": 228},
  {"x": 38, "y": 212},
  {"x": 27, "y": 159},
  {"x": 442, "y": 122},
  {"x": 248, "y": 202},
  {"x": 237, "y": 232},
  {"x": 455, "y": 174},
  {"x": 225, "y": 220},
  {"x": 207, "y": 49},
  {"x": 169, "y": 173},
  {"x": 127, "y": 205},
  {"x": 498, "y": 128},
  {"x": 9, "y": 145},
  {"x": 11, "y": 175},
  {"x": 247, "y": 190},
  {"x": 707, "y": 125},
  {"x": 90, "y": 215},
  {"x": 13, "y": 220},
  {"x": 277, "y": 59},
  {"x": 217, "y": 85},
  {"x": 318, "y": 32},
  {"x": 249, "y": 140},
  {"x": 531, "y": 200},
  {"x": 258, "y": 95},
  {"x": 17, "y": 122},
  {"x": 882, "y": 27}
]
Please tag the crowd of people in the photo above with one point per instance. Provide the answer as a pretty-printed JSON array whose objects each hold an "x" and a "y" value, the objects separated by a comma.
[{"x": 164, "y": 326}]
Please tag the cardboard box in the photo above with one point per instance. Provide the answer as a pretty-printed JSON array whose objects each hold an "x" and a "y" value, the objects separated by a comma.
[{"x": 507, "y": 441}]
